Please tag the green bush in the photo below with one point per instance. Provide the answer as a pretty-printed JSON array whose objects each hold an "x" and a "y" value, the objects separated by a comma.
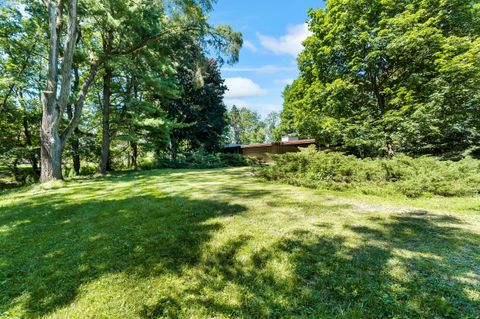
[
  {"x": 412, "y": 177},
  {"x": 88, "y": 169},
  {"x": 200, "y": 159}
]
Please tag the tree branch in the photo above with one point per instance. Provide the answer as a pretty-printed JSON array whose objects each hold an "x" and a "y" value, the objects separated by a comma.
[
  {"x": 48, "y": 95},
  {"x": 81, "y": 100},
  {"x": 148, "y": 40},
  {"x": 68, "y": 51}
]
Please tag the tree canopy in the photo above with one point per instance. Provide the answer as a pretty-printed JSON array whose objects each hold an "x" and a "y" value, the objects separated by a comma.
[
  {"x": 248, "y": 127},
  {"x": 380, "y": 76},
  {"x": 97, "y": 79}
]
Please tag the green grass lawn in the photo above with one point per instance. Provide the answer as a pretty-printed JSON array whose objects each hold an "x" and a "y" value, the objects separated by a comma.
[{"x": 222, "y": 244}]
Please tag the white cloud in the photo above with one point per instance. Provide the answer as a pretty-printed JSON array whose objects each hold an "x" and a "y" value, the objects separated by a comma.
[
  {"x": 262, "y": 108},
  {"x": 285, "y": 81},
  {"x": 239, "y": 87},
  {"x": 249, "y": 45},
  {"x": 261, "y": 69},
  {"x": 290, "y": 43}
]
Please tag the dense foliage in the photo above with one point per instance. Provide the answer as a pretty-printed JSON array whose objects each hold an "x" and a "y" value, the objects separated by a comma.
[
  {"x": 109, "y": 83},
  {"x": 381, "y": 76},
  {"x": 248, "y": 127},
  {"x": 200, "y": 159},
  {"x": 405, "y": 175}
]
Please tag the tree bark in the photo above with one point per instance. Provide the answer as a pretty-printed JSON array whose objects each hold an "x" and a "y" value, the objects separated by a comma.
[
  {"x": 75, "y": 144},
  {"x": 28, "y": 139},
  {"x": 76, "y": 152},
  {"x": 51, "y": 154},
  {"x": 105, "y": 156},
  {"x": 134, "y": 153},
  {"x": 173, "y": 147},
  {"x": 52, "y": 143}
]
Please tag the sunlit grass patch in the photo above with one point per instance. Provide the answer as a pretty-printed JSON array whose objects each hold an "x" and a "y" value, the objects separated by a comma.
[{"x": 219, "y": 243}]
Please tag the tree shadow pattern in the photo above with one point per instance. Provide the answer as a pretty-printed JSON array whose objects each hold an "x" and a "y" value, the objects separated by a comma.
[
  {"x": 406, "y": 265},
  {"x": 63, "y": 246},
  {"x": 331, "y": 278}
]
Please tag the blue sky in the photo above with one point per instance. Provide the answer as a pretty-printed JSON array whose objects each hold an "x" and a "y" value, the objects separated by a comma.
[{"x": 272, "y": 33}]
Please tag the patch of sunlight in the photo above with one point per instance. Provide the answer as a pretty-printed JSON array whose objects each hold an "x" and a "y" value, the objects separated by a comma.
[
  {"x": 18, "y": 309},
  {"x": 232, "y": 295},
  {"x": 57, "y": 185},
  {"x": 472, "y": 294},
  {"x": 8, "y": 228},
  {"x": 107, "y": 296},
  {"x": 281, "y": 268},
  {"x": 398, "y": 270},
  {"x": 409, "y": 254},
  {"x": 470, "y": 278},
  {"x": 54, "y": 254}
]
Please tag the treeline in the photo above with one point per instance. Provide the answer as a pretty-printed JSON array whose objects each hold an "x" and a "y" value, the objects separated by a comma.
[
  {"x": 248, "y": 127},
  {"x": 109, "y": 82},
  {"x": 381, "y": 77}
]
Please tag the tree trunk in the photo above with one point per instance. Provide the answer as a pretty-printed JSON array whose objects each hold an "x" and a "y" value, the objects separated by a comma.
[
  {"x": 75, "y": 144},
  {"x": 173, "y": 147},
  {"x": 28, "y": 142},
  {"x": 391, "y": 148},
  {"x": 105, "y": 156},
  {"x": 28, "y": 137},
  {"x": 134, "y": 154},
  {"x": 51, "y": 154},
  {"x": 53, "y": 106},
  {"x": 378, "y": 94},
  {"x": 76, "y": 152}
]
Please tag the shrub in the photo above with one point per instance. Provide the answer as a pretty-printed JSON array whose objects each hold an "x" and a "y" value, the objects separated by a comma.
[
  {"x": 88, "y": 168},
  {"x": 200, "y": 159},
  {"x": 234, "y": 160},
  {"x": 412, "y": 177}
]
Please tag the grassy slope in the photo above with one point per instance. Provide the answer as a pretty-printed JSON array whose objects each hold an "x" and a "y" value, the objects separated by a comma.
[{"x": 218, "y": 243}]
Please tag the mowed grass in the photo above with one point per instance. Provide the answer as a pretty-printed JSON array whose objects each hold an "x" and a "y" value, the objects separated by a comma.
[{"x": 223, "y": 244}]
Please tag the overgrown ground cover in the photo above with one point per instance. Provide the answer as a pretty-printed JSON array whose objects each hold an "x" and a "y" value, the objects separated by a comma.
[
  {"x": 400, "y": 175},
  {"x": 223, "y": 244}
]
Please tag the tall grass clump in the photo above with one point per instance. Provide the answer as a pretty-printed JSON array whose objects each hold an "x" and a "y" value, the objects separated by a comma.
[{"x": 413, "y": 177}]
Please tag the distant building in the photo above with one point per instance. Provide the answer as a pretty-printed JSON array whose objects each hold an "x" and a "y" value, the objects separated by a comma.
[{"x": 289, "y": 144}]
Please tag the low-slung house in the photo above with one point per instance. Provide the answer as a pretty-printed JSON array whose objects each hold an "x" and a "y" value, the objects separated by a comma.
[{"x": 263, "y": 151}]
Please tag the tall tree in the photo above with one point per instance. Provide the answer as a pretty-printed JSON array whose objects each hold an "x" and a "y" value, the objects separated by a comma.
[
  {"x": 57, "y": 91},
  {"x": 246, "y": 126},
  {"x": 272, "y": 120},
  {"x": 64, "y": 24},
  {"x": 200, "y": 106},
  {"x": 380, "y": 76},
  {"x": 21, "y": 71}
]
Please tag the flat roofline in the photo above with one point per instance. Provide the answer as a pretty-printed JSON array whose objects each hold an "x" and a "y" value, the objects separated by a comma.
[{"x": 299, "y": 142}]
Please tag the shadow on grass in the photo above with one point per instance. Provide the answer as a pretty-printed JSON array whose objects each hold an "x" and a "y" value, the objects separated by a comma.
[
  {"x": 410, "y": 265},
  {"x": 411, "y": 268},
  {"x": 48, "y": 251}
]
